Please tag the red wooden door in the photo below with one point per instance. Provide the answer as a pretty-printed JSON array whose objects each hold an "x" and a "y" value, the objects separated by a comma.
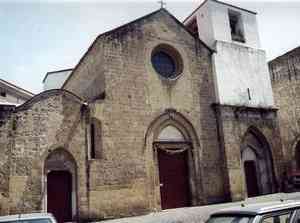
[
  {"x": 173, "y": 176},
  {"x": 251, "y": 178},
  {"x": 59, "y": 195}
]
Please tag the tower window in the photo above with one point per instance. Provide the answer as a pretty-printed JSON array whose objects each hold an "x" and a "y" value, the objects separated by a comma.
[{"x": 236, "y": 26}]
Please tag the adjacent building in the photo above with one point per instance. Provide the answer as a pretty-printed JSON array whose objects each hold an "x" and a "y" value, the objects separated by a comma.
[
  {"x": 11, "y": 94},
  {"x": 55, "y": 79},
  {"x": 285, "y": 76}
]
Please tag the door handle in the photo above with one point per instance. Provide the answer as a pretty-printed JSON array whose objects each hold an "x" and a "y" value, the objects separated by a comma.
[{"x": 161, "y": 185}]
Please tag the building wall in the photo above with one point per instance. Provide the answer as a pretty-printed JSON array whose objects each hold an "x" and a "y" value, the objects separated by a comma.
[
  {"x": 221, "y": 27},
  {"x": 6, "y": 144},
  {"x": 12, "y": 96},
  {"x": 285, "y": 77},
  {"x": 51, "y": 121},
  {"x": 234, "y": 123},
  {"x": 237, "y": 69},
  {"x": 213, "y": 24},
  {"x": 136, "y": 96}
]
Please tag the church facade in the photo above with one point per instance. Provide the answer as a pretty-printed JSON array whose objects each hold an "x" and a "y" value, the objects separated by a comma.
[{"x": 157, "y": 114}]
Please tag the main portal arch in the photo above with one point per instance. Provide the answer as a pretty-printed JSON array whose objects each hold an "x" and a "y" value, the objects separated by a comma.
[{"x": 173, "y": 151}]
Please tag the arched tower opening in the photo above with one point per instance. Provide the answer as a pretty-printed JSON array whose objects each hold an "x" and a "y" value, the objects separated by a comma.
[{"x": 257, "y": 164}]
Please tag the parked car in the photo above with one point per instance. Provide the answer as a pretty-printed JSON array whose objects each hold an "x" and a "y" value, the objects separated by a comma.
[
  {"x": 294, "y": 178},
  {"x": 271, "y": 212},
  {"x": 28, "y": 218}
]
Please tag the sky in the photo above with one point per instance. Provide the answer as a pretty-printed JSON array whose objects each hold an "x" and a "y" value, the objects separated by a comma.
[{"x": 38, "y": 36}]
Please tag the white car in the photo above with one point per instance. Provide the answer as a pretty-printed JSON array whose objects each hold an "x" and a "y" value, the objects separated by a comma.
[
  {"x": 270, "y": 212},
  {"x": 28, "y": 218}
]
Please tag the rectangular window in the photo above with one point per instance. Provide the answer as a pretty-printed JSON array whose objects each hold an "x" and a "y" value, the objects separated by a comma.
[
  {"x": 93, "y": 149},
  {"x": 236, "y": 26}
]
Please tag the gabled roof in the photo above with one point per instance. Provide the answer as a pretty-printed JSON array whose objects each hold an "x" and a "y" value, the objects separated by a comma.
[
  {"x": 16, "y": 88},
  {"x": 128, "y": 24},
  {"x": 223, "y": 3}
]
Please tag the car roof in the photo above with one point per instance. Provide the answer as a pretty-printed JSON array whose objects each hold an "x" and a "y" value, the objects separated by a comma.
[
  {"x": 259, "y": 208},
  {"x": 25, "y": 216}
]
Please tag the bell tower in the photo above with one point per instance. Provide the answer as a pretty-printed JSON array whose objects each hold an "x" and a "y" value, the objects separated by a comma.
[
  {"x": 244, "y": 97},
  {"x": 240, "y": 69}
]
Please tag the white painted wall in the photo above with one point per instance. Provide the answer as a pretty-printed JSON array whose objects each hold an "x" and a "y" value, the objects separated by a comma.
[
  {"x": 213, "y": 24},
  {"x": 237, "y": 68},
  {"x": 204, "y": 23},
  {"x": 56, "y": 80},
  {"x": 221, "y": 27}
]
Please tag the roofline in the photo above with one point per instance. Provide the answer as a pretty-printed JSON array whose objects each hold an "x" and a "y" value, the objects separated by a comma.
[
  {"x": 190, "y": 15},
  {"x": 98, "y": 37},
  {"x": 185, "y": 28},
  {"x": 56, "y": 71},
  {"x": 127, "y": 24},
  {"x": 17, "y": 87},
  {"x": 283, "y": 55},
  {"x": 220, "y": 2},
  {"x": 44, "y": 94}
]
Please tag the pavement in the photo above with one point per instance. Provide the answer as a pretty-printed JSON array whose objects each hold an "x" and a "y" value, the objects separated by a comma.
[{"x": 198, "y": 214}]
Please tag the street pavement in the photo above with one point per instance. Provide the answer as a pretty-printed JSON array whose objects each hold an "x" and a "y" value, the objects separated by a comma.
[{"x": 198, "y": 214}]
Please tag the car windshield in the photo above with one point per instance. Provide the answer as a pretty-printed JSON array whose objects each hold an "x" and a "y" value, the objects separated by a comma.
[
  {"x": 230, "y": 219},
  {"x": 37, "y": 220}
]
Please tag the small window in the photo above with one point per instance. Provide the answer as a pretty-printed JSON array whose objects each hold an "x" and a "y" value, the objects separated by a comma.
[
  {"x": 93, "y": 149},
  {"x": 95, "y": 139},
  {"x": 3, "y": 94},
  {"x": 236, "y": 26}
]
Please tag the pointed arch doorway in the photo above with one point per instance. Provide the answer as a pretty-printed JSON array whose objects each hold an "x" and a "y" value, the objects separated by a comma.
[
  {"x": 257, "y": 164},
  {"x": 173, "y": 167}
]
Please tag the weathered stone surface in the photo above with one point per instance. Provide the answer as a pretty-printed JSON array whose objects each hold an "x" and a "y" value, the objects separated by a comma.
[
  {"x": 119, "y": 64},
  {"x": 285, "y": 76},
  {"x": 130, "y": 104}
]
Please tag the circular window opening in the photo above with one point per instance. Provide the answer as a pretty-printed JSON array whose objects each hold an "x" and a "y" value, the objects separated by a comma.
[{"x": 166, "y": 61}]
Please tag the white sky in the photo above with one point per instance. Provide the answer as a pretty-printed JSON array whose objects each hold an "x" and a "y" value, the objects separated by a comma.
[{"x": 41, "y": 36}]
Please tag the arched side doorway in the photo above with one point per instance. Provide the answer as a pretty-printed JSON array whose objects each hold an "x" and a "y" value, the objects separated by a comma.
[
  {"x": 172, "y": 150},
  {"x": 60, "y": 186},
  {"x": 257, "y": 164}
]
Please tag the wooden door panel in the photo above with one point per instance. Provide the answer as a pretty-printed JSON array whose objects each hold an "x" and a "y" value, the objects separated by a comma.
[
  {"x": 173, "y": 174},
  {"x": 251, "y": 178},
  {"x": 59, "y": 195}
]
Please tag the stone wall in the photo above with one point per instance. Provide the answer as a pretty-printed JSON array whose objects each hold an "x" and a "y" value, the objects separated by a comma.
[
  {"x": 285, "y": 77},
  {"x": 124, "y": 180},
  {"x": 6, "y": 128},
  {"x": 234, "y": 122},
  {"x": 51, "y": 121}
]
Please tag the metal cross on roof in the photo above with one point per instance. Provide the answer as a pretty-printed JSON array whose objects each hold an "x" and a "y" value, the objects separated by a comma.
[{"x": 162, "y": 3}]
